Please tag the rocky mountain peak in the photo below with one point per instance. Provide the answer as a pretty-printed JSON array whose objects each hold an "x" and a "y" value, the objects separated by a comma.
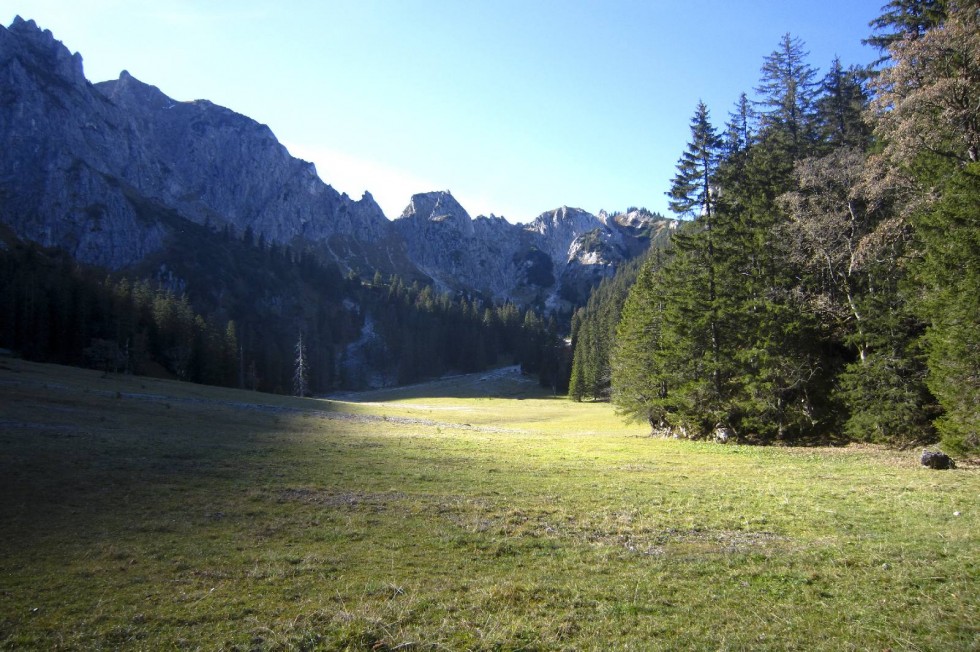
[
  {"x": 129, "y": 91},
  {"x": 439, "y": 208},
  {"x": 564, "y": 219},
  {"x": 113, "y": 172},
  {"x": 41, "y": 45},
  {"x": 559, "y": 228}
]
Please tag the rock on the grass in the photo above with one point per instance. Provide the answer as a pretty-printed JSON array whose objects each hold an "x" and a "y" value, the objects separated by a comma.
[{"x": 936, "y": 460}]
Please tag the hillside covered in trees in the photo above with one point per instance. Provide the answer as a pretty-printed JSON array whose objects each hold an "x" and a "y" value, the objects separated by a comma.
[
  {"x": 827, "y": 284},
  {"x": 227, "y": 311}
]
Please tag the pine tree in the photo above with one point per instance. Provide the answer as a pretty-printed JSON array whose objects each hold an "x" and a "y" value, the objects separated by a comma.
[
  {"x": 594, "y": 332},
  {"x": 841, "y": 107},
  {"x": 948, "y": 274},
  {"x": 908, "y": 19},
  {"x": 693, "y": 185},
  {"x": 638, "y": 387},
  {"x": 739, "y": 137},
  {"x": 691, "y": 193},
  {"x": 788, "y": 91},
  {"x": 576, "y": 382},
  {"x": 692, "y": 315}
]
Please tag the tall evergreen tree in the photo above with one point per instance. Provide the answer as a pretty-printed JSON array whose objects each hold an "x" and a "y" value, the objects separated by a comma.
[
  {"x": 840, "y": 108},
  {"x": 594, "y": 331},
  {"x": 948, "y": 276},
  {"x": 929, "y": 121},
  {"x": 638, "y": 389},
  {"x": 739, "y": 134},
  {"x": 906, "y": 19},
  {"x": 788, "y": 91},
  {"x": 692, "y": 192}
]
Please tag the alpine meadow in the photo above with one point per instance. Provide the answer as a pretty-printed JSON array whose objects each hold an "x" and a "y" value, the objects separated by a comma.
[{"x": 241, "y": 410}]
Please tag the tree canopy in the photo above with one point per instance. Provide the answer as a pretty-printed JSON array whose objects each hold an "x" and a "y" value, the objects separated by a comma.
[{"x": 827, "y": 284}]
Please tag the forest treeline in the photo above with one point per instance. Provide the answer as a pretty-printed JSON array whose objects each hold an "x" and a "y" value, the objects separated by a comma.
[
  {"x": 230, "y": 311},
  {"x": 828, "y": 282}
]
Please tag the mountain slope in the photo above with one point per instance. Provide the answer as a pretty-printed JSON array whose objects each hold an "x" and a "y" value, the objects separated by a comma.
[{"x": 90, "y": 168}]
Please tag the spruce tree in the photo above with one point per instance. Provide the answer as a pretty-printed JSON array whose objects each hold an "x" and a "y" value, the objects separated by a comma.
[
  {"x": 638, "y": 387},
  {"x": 840, "y": 109},
  {"x": 681, "y": 320},
  {"x": 948, "y": 277},
  {"x": 906, "y": 19},
  {"x": 928, "y": 119},
  {"x": 788, "y": 91},
  {"x": 691, "y": 193},
  {"x": 692, "y": 187},
  {"x": 594, "y": 331}
]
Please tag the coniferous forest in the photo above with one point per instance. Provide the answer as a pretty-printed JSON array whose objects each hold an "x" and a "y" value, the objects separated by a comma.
[
  {"x": 827, "y": 282},
  {"x": 230, "y": 311}
]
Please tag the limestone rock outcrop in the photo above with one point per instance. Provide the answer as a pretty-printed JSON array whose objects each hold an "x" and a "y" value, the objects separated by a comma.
[{"x": 112, "y": 172}]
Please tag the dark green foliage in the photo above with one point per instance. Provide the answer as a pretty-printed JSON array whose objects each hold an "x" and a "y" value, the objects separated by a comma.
[
  {"x": 788, "y": 90},
  {"x": 780, "y": 313},
  {"x": 594, "y": 334},
  {"x": 423, "y": 334},
  {"x": 739, "y": 135},
  {"x": 57, "y": 311},
  {"x": 636, "y": 391},
  {"x": 225, "y": 312},
  {"x": 669, "y": 365},
  {"x": 692, "y": 328},
  {"x": 840, "y": 108},
  {"x": 851, "y": 253},
  {"x": 886, "y": 398},
  {"x": 926, "y": 116},
  {"x": 691, "y": 190},
  {"x": 905, "y": 19},
  {"x": 948, "y": 284}
]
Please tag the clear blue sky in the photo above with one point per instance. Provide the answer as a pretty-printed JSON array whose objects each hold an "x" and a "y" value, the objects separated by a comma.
[{"x": 516, "y": 106}]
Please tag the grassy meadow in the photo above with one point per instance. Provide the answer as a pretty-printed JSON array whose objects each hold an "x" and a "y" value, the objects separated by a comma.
[{"x": 474, "y": 513}]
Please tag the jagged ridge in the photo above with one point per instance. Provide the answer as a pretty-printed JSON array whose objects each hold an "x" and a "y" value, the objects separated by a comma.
[{"x": 82, "y": 162}]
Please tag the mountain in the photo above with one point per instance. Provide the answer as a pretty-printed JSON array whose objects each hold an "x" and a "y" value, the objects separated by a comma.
[{"x": 113, "y": 173}]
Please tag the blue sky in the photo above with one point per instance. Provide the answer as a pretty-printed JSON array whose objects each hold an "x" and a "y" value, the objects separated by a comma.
[{"x": 517, "y": 107}]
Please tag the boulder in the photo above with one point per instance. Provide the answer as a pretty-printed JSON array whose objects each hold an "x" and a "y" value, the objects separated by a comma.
[{"x": 936, "y": 460}]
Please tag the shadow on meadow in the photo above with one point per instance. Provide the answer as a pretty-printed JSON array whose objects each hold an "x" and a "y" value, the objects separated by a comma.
[{"x": 77, "y": 449}]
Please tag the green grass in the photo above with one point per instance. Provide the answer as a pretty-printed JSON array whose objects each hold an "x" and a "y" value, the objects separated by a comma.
[{"x": 465, "y": 514}]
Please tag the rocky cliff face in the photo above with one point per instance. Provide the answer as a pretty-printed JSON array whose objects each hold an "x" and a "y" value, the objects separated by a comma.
[
  {"x": 457, "y": 251},
  {"x": 91, "y": 168},
  {"x": 49, "y": 191},
  {"x": 79, "y": 159},
  {"x": 555, "y": 260}
]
